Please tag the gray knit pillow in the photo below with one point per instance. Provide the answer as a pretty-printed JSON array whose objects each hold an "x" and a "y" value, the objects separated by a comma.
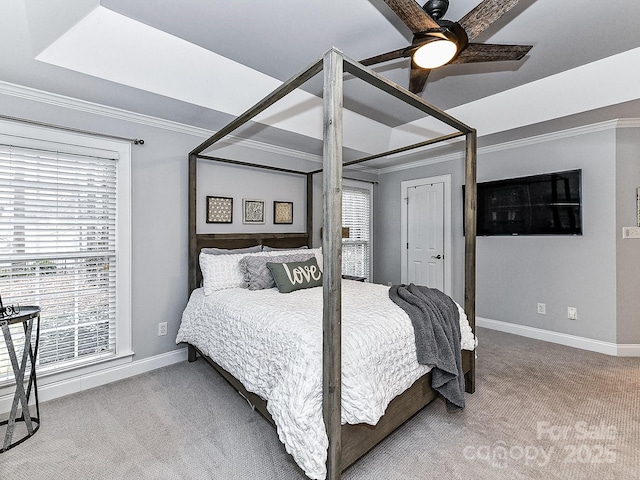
[
  {"x": 257, "y": 275},
  {"x": 231, "y": 251}
]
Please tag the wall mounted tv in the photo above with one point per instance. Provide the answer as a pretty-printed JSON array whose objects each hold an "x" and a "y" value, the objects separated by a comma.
[{"x": 547, "y": 204}]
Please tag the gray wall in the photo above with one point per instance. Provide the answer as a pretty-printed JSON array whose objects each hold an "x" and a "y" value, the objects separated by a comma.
[
  {"x": 515, "y": 273},
  {"x": 219, "y": 179},
  {"x": 159, "y": 238},
  {"x": 628, "y": 250}
]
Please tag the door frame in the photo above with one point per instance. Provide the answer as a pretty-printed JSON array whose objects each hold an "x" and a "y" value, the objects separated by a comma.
[{"x": 447, "y": 264}]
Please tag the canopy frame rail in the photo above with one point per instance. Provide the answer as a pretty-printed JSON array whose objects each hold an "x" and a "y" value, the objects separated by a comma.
[{"x": 335, "y": 64}]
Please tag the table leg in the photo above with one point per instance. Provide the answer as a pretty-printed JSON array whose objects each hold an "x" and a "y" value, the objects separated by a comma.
[
  {"x": 33, "y": 354},
  {"x": 18, "y": 371}
]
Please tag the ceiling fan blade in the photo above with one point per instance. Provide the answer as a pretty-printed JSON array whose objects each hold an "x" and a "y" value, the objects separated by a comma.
[
  {"x": 478, "y": 20},
  {"x": 485, "y": 52},
  {"x": 385, "y": 57},
  {"x": 418, "y": 78},
  {"x": 412, "y": 15}
]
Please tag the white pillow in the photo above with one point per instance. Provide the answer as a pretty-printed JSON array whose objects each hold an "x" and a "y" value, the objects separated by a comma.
[{"x": 220, "y": 272}]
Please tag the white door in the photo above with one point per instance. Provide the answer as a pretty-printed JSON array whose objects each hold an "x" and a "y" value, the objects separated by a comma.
[{"x": 425, "y": 235}]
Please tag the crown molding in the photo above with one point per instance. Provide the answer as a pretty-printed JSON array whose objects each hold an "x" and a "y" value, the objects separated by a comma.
[
  {"x": 92, "y": 108},
  {"x": 420, "y": 163},
  {"x": 628, "y": 123},
  {"x": 84, "y": 106},
  {"x": 63, "y": 101},
  {"x": 562, "y": 134},
  {"x": 536, "y": 139}
]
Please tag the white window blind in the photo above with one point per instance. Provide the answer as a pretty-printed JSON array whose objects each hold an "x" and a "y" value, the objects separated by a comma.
[
  {"x": 58, "y": 251},
  {"x": 356, "y": 214}
]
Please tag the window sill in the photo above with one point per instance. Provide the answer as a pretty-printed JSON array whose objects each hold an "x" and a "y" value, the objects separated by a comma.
[{"x": 52, "y": 375}]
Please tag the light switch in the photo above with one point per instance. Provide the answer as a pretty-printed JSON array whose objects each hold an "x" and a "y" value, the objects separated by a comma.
[{"x": 630, "y": 232}]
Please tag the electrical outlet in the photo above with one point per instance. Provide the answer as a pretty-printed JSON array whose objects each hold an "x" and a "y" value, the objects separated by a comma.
[
  {"x": 572, "y": 313},
  {"x": 389, "y": 284},
  {"x": 162, "y": 329},
  {"x": 542, "y": 308}
]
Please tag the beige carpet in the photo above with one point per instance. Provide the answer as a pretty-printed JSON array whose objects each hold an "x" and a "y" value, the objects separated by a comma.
[{"x": 541, "y": 411}]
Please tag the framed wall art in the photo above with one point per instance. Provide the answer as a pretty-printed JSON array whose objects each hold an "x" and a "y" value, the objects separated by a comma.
[
  {"x": 282, "y": 212},
  {"x": 252, "y": 211},
  {"x": 219, "y": 209}
]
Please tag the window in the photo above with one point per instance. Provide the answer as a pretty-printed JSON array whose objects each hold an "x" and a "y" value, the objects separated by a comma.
[
  {"x": 357, "y": 216},
  {"x": 64, "y": 246}
]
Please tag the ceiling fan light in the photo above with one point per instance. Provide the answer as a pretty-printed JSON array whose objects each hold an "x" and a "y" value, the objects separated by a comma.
[{"x": 435, "y": 53}]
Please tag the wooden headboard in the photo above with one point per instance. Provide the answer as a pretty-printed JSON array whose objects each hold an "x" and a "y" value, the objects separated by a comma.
[{"x": 239, "y": 240}]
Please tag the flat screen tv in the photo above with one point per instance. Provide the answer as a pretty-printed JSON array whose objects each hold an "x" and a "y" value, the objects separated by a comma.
[{"x": 547, "y": 204}]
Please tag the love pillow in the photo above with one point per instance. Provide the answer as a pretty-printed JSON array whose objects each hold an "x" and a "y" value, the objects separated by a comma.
[{"x": 293, "y": 276}]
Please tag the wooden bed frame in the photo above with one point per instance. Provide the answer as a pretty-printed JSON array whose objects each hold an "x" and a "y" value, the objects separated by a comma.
[
  {"x": 347, "y": 443},
  {"x": 356, "y": 439}
]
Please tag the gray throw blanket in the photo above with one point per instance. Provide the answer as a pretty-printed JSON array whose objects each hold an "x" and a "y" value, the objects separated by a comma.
[{"x": 436, "y": 323}]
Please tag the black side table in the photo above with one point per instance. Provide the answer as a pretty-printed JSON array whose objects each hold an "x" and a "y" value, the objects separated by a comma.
[{"x": 26, "y": 316}]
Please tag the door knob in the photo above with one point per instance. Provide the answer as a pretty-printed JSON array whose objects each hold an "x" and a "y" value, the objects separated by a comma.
[{"x": 436, "y": 256}]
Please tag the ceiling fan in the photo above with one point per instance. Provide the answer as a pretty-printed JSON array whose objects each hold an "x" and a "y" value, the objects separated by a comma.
[{"x": 437, "y": 42}]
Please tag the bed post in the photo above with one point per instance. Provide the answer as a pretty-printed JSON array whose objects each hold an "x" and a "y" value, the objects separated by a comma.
[
  {"x": 332, "y": 249},
  {"x": 193, "y": 254},
  {"x": 310, "y": 209},
  {"x": 470, "y": 210}
]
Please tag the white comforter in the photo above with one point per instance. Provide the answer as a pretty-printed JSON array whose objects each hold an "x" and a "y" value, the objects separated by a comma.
[{"x": 272, "y": 343}]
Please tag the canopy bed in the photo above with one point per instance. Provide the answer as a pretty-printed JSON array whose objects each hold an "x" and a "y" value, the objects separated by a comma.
[{"x": 346, "y": 442}]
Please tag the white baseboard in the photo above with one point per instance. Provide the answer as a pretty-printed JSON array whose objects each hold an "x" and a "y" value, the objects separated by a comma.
[
  {"x": 74, "y": 384},
  {"x": 608, "y": 348}
]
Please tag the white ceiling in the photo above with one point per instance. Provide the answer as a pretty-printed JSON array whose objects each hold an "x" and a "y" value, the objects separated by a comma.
[{"x": 202, "y": 62}]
